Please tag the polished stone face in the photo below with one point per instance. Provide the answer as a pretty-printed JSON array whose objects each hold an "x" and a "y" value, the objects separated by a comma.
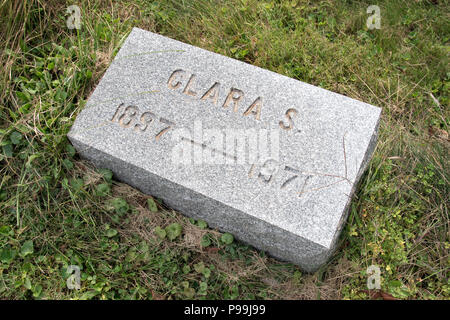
[{"x": 270, "y": 159}]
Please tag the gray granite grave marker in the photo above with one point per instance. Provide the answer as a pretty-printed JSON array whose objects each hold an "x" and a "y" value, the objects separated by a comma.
[{"x": 270, "y": 159}]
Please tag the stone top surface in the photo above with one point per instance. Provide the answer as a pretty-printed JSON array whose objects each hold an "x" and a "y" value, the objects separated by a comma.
[{"x": 323, "y": 136}]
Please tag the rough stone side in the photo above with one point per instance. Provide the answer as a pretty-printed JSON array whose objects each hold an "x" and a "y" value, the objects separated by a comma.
[{"x": 277, "y": 242}]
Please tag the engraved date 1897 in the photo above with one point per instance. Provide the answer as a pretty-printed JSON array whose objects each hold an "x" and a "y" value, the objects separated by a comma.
[{"x": 131, "y": 117}]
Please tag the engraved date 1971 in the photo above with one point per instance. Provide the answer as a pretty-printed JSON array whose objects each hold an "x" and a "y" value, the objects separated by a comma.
[{"x": 131, "y": 117}]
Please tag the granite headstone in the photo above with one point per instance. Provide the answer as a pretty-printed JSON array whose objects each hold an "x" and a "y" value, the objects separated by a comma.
[{"x": 270, "y": 159}]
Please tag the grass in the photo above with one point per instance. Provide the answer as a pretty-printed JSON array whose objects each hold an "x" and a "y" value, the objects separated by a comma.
[{"x": 56, "y": 210}]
